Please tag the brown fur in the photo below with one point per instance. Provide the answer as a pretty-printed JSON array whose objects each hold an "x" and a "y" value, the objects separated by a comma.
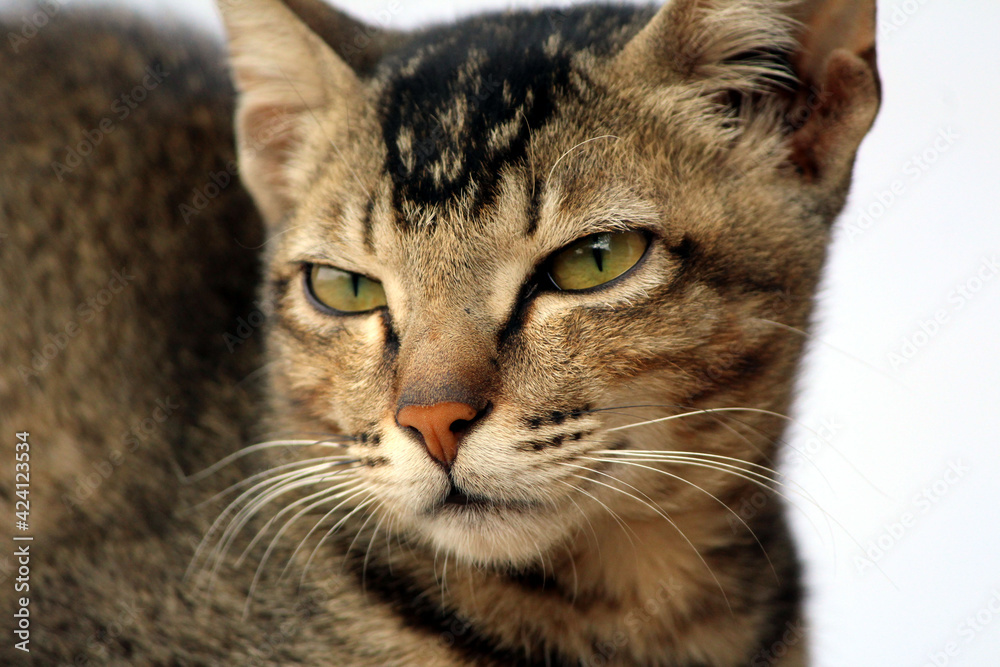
[{"x": 734, "y": 166}]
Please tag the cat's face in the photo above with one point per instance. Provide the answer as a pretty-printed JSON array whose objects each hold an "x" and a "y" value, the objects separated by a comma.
[{"x": 564, "y": 249}]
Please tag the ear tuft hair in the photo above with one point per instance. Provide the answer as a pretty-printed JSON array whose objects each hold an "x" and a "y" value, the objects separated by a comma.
[
  {"x": 742, "y": 46},
  {"x": 722, "y": 45},
  {"x": 753, "y": 72}
]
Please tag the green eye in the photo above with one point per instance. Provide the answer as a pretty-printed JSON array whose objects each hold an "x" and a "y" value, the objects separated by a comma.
[
  {"x": 596, "y": 259},
  {"x": 344, "y": 291}
]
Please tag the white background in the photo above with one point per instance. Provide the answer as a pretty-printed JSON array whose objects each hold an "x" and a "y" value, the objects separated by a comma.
[{"x": 878, "y": 435}]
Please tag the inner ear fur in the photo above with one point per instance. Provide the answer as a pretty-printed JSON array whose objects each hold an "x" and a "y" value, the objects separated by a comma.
[{"x": 290, "y": 83}]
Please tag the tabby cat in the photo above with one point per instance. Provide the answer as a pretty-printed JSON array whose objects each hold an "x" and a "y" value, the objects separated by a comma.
[{"x": 533, "y": 294}]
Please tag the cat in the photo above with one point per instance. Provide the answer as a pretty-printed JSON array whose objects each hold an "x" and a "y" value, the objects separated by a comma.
[{"x": 533, "y": 293}]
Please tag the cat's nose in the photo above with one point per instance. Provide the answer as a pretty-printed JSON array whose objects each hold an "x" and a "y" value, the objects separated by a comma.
[{"x": 441, "y": 425}]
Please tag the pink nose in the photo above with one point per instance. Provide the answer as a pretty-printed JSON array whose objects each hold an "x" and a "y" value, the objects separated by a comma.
[{"x": 442, "y": 425}]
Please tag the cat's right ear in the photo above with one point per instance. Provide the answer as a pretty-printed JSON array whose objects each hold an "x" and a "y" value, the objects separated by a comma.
[{"x": 289, "y": 82}]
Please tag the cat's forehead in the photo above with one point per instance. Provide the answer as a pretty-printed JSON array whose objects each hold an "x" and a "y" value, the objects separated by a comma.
[{"x": 457, "y": 106}]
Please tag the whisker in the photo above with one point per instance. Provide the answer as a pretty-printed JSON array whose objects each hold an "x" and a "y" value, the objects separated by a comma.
[
  {"x": 300, "y": 434},
  {"x": 360, "y": 506},
  {"x": 245, "y": 514},
  {"x": 259, "y": 489},
  {"x": 434, "y": 564},
  {"x": 791, "y": 420},
  {"x": 249, "y": 493},
  {"x": 291, "y": 559},
  {"x": 717, "y": 420},
  {"x": 270, "y": 238},
  {"x": 324, "y": 496},
  {"x": 590, "y": 524},
  {"x": 531, "y": 153},
  {"x": 661, "y": 513},
  {"x": 614, "y": 515},
  {"x": 749, "y": 475},
  {"x": 371, "y": 543},
  {"x": 576, "y": 579},
  {"x": 672, "y": 452},
  {"x": 706, "y": 492},
  {"x": 388, "y": 541},
  {"x": 354, "y": 541},
  {"x": 218, "y": 465},
  {"x": 330, "y": 461},
  {"x": 703, "y": 411},
  {"x": 833, "y": 347},
  {"x": 805, "y": 496},
  {"x": 271, "y": 491},
  {"x": 274, "y": 541},
  {"x": 586, "y": 141},
  {"x": 444, "y": 577}
]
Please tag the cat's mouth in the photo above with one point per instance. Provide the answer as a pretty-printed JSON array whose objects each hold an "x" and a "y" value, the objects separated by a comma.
[
  {"x": 461, "y": 499},
  {"x": 484, "y": 524},
  {"x": 458, "y": 497}
]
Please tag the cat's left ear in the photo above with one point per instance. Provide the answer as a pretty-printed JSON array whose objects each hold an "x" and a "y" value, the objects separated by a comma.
[
  {"x": 736, "y": 50},
  {"x": 289, "y": 81}
]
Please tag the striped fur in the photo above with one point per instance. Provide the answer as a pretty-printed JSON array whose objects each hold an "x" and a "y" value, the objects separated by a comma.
[{"x": 449, "y": 164}]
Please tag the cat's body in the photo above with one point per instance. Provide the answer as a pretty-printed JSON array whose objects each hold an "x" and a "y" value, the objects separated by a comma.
[{"x": 452, "y": 171}]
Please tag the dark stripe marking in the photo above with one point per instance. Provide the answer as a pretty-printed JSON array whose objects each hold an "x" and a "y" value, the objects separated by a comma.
[{"x": 416, "y": 609}]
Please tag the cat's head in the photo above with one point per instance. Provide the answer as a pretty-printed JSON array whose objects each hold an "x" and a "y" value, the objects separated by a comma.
[{"x": 495, "y": 246}]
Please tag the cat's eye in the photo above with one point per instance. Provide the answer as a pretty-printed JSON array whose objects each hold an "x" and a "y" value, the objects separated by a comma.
[
  {"x": 343, "y": 291},
  {"x": 596, "y": 259}
]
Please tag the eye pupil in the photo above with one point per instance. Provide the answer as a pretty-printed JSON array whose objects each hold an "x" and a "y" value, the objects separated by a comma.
[
  {"x": 599, "y": 258},
  {"x": 355, "y": 279}
]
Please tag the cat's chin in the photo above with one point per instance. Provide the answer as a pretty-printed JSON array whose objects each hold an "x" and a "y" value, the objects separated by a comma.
[{"x": 497, "y": 536}]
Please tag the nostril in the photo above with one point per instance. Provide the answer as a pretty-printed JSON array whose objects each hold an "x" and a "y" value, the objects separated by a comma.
[
  {"x": 461, "y": 426},
  {"x": 440, "y": 427}
]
